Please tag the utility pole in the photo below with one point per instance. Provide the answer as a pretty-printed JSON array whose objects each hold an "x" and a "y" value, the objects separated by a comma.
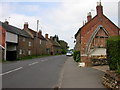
[
  {"x": 37, "y": 24},
  {"x": 37, "y": 36}
]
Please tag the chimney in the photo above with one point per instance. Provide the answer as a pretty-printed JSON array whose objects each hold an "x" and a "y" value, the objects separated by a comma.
[
  {"x": 40, "y": 32},
  {"x": 46, "y": 36},
  {"x": 51, "y": 38},
  {"x": 6, "y": 22},
  {"x": 89, "y": 16},
  {"x": 26, "y": 25},
  {"x": 99, "y": 9}
]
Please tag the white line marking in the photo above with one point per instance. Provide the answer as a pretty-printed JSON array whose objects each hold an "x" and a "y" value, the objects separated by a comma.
[
  {"x": 11, "y": 71},
  {"x": 33, "y": 63},
  {"x": 44, "y": 60}
]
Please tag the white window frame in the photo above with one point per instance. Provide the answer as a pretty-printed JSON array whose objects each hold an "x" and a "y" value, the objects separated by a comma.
[
  {"x": 20, "y": 51},
  {"x": 40, "y": 41},
  {"x": 29, "y": 52},
  {"x": 30, "y": 44}
]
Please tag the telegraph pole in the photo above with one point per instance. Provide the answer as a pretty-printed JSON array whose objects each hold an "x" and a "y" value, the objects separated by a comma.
[{"x": 37, "y": 36}]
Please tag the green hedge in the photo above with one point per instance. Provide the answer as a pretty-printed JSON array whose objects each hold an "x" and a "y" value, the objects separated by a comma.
[
  {"x": 76, "y": 56},
  {"x": 113, "y": 52}
]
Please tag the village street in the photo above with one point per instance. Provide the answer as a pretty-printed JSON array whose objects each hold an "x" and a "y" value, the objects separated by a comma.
[{"x": 49, "y": 72}]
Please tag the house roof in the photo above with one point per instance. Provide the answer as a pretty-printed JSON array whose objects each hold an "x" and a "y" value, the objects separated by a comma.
[
  {"x": 84, "y": 26},
  {"x": 34, "y": 33},
  {"x": 55, "y": 43},
  {"x": 92, "y": 20},
  {"x": 41, "y": 37},
  {"x": 15, "y": 30}
]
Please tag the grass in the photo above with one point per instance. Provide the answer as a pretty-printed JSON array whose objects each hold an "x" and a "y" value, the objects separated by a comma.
[
  {"x": 32, "y": 57},
  {"x": 27, "y": 58},
  {"x": 3, "y": 61}
]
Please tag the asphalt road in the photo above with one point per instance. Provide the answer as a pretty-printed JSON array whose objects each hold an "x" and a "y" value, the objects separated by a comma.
[{"x": 35, "y": 73}]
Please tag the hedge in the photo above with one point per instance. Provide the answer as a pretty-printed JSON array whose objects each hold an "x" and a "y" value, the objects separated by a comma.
[
  {"x": 76, "y": 56},
  {"x": 113, "y": 52}
]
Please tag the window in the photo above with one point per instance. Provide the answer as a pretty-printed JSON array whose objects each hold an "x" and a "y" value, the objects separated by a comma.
[
  {"x": 40, "y": 41},
  {"x": 20, "y": 51},
  {"x": 30, "y": 44},
  {"x": 29, "y": 52}
]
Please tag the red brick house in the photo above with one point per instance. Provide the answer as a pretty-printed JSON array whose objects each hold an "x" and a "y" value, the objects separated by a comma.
[
  {"x": 2, "y": 42},
  {"x": 17, "y": 42},
  {"x": 39, "y": 41},
  {"x": 91, "y": 37},
  {"x": 53, "y": 47}
]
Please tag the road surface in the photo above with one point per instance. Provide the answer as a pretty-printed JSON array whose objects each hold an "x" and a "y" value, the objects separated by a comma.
[{"x": 35, "y": 73}]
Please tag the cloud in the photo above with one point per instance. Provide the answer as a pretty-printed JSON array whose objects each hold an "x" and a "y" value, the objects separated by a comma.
[{"x": 63, "y": 20}]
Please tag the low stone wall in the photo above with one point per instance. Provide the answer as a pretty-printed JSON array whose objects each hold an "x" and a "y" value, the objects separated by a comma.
[{"x": 111, "y": 80}]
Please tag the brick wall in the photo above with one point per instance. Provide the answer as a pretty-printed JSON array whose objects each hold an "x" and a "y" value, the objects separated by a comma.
[
  {"x": 89, "y": 28},
  {"x": 25, "y": 47},
  {"x": 2, "y": 36}
]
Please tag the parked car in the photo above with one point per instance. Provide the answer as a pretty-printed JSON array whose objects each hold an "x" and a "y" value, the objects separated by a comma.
[{"x": 69, "y": 53}]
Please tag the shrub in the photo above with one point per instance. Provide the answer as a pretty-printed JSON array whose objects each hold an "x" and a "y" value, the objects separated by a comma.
[
  {"x": 76, "y": 56},
  {"x": 113, "y": 52}
]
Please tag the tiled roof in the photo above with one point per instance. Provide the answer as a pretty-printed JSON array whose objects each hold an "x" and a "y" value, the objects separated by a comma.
[
  {"x": 15, "y": 30},
  {"x": 92, "y": 20},
  {"x": 41, "y": 37},
  {"x": 85, "y": 25},
  {"x": 55, "y": 43},
  {"x": 34, "y": 33}
]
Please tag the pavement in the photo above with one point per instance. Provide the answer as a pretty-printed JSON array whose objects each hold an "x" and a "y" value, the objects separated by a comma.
[
  {"x": 101, "y": 68},
  {"x": 73, "y": 76}
]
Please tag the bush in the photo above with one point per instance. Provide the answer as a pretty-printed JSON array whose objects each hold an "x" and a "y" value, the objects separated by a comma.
[
  {"x": 113, "y": 52},
  {"x": 76, "y": 56}
]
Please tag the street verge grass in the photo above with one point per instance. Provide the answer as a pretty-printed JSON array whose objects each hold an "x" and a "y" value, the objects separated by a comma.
[
  {"x": 27, "y": 58},
  {"x": 32, "y": 57}
]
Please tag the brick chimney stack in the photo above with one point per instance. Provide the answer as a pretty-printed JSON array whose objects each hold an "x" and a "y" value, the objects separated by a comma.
[
  {"x": 51, "y": 38},
  {"x": 89, "y": 16},
  {"x": 46, "y": 36},
  {"x": 26, "y": 25},
  {"x": 6, "y": 22},
  {"x": 99, "y": 9},
  {"x": 40, "y": 32}
]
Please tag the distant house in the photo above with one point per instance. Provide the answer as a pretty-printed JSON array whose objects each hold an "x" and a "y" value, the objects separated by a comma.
[
  {"x": 91, "y": 37},
  {"x": 2, "y": 43},
  {"x": 53, "y": 47},
  {"x": 17, "y": 42},
  {"x": 39, "y": 41}
]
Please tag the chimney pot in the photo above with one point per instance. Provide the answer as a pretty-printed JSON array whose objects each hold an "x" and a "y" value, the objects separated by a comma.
[
  {"x": 40, "y": 32},
  {"x": 99, "y": 9},
  {"x": 6, "y": 22},
  {"x": 26, "y": 25},
  {"x": 46, "y": 36},
  {"x": 51, "y": 38},
  {"x": 89, "y": 16}
]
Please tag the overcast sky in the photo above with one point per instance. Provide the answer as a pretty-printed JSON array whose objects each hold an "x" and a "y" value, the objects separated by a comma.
[{"x": 60, "y": 17}]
